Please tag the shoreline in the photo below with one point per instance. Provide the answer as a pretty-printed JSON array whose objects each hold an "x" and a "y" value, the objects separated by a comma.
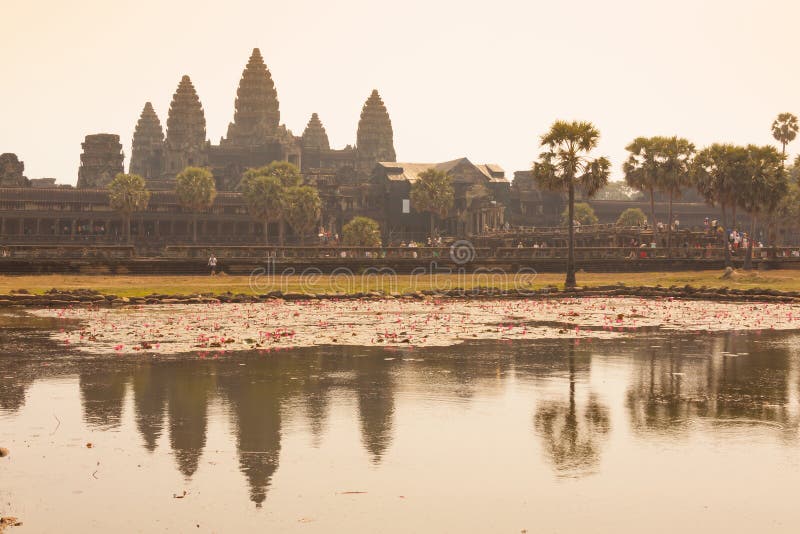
[{"x": 89, "y": 298}]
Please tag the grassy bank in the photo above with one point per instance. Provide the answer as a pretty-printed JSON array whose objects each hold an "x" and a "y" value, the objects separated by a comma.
[{"x": 129, "y": 286}]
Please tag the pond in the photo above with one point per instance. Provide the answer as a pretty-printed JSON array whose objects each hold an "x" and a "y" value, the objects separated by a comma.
[{"x": 658, "y": 431}]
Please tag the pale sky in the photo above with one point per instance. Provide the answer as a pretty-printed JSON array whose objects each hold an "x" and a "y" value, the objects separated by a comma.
[{"x": 477, "y": 79}]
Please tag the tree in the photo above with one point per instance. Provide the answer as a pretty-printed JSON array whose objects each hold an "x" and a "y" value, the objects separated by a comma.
[
  {"x": 286, "y": 175},
  {"x": 584, "y": 214},
  {"x": 433, "y": 193},
  {"x": 566, "y": 165},
  {"x": 265, "y": 198},
  {"x": 303, "y": 209},
  {"x": 618, "y": 191},
  {"x": 196, "y": 192},
  {"x": 127, "y": 194},
  {"x": 784, "y": 130},
  {"x": 631, "y": 217},
  {"x": 763, "y": 190},
  {"x": 641, "y": 169},
  {"x": 674, "y": 171},
  {"x": 362, "y": 232},
  {"x": 719, "y": 172}
]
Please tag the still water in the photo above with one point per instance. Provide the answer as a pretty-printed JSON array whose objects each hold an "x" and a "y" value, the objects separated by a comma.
[{"x": 654, "y": 433}]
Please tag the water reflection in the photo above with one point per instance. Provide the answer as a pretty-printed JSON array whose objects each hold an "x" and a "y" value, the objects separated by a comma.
[
  {"x": 572, "y": 434},
  {"x": 669, "y": 384},
  {"x": 729, "y": 378}
]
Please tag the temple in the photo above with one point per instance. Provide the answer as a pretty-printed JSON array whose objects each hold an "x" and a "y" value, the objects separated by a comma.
[{"x": 362, "y": 178}]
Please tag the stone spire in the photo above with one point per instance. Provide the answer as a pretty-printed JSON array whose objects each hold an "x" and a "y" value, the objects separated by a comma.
[
  {"x": 375, "y": 140},
  {"x": 148, "y": 145},
  {"x": 257, "y": 112},
  {"x": 102, "y": 159},
  {"x": 186, "y": 130},
  {"x": 314, "y": 135}
]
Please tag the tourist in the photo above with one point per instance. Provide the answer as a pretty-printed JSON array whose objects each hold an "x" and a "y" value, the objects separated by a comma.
[
  {"x": 212, "y": 263},
  {"x": 519, "y": 245}
]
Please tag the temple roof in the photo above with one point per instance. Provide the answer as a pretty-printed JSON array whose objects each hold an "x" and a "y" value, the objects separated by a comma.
[
  {"x": 315, "y": 135},
  {"x": 401, "y": 171}
]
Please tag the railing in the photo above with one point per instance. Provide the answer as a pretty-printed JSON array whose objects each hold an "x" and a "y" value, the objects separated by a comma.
[
  {"x": 343, "y": 254},
  {"x": 37, "y": 252}
]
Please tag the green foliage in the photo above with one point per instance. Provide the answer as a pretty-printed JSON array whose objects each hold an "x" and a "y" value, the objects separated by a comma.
[
  {"x": 631, "y": 217},
  {"x": 433, "y": 193},
  {"x": 265, "y": 190},
  {"x": 584, "y": 214},
  {"x": 303, "y": 209},
  {"x": 287, "y": 174},
  {"x": 196, "y": 192},
  {"x": 128, "y": 193},
  {"x": 566, "y": 163},
  {"x": 264, "y": 196},
  {"x": 618, "y": 191},
  {"x": 766, "y": 182},
  {"x": 195, "y": 188},
  {"x": 784, "y": 129},
  {"x": 719, "y": 173},
  {"x": 362, "y": 232}
]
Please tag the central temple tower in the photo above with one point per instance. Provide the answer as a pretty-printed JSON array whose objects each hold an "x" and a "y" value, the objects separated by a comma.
[{"x": 257, "y": 115}]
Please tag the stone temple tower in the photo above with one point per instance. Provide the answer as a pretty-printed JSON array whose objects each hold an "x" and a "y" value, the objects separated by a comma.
[
  {"x": 148, "y": 145},
  {"x": 101, "y": 160},
  {"x": 375, "y": 140},
  {"x": 257, "y": 114},
  {"x": 186, "y": 131},
  {"x": 315, "y": 136}
]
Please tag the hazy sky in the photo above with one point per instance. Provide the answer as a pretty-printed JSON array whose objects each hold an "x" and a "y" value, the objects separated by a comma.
[{"x": 460, "y": 78}]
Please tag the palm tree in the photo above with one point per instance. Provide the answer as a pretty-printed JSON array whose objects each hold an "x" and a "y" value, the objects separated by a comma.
[
  {"x": 265, "y": 198},
  {"x": 196, "y": 192},
  {"x": 784, "y": 129},
  {"x": 303, "y": 209},
  {"x": 127, "y": 194},
  {"x": 566, "y": 164},
  {"x": 675, "y": 156},
  {"x": 433, "y": 193},
  {"x": 640, "y": 170},
  {"x": 287, "y": 175},
  {"x": 765, "y": 187},
  {"x": 719, "y": 172}
]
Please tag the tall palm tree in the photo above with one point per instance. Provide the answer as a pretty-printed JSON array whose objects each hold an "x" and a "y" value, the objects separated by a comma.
[
  {"x": 719, "y": 172},
  {"x": 565, "y": 165},
  {"x": 196, "y": 192},
  {"x": 640, "y": 170},
  {"x": 784, "y": 129},
  {"x": 675, "y": 166},
  {"x": 127, "y": 194},
  {"x": 285, "y": 175},
  {"x": 303, "y": 209},
  {"x": 265, "y": 198},
  {"x": 764, "y": 188},
  {"x": 433, "y": 193}
]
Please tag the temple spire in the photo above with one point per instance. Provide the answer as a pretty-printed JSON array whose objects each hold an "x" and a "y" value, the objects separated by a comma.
[
  {"x": 314, "y": 135},
  {"x": 148, "y": 145},
  {"x": 375, "y": 139},
  {"x": 186, "y": 130},
  {"x": 257, "y": 111}
]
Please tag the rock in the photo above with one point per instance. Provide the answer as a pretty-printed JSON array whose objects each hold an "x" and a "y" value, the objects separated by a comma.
[{"x": 3, "y": 452}]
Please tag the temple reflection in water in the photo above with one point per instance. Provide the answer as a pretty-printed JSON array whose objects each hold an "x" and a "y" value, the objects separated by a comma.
[{"x": 672, "y": 386}]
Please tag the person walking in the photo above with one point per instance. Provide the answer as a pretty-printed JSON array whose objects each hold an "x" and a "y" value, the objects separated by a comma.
[{"x": 212, "y": 264}]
